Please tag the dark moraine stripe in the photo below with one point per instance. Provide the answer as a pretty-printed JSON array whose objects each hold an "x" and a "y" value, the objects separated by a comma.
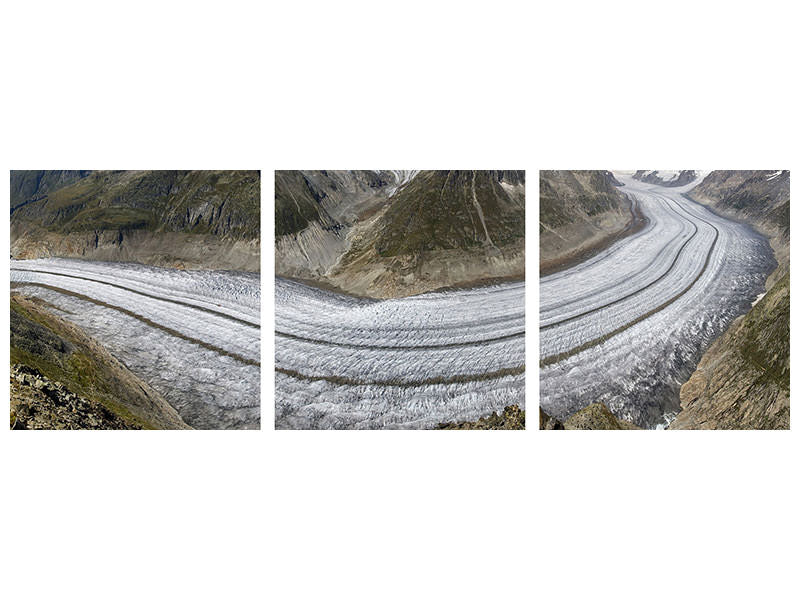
[
  {"x": 502, "y": 338},
  {"x": 499, "y": 374}
]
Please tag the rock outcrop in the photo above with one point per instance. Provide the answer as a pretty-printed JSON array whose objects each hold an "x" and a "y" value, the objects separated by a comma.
[
  {"x": 594, "y": 416},
  {"x": 513, "y": 417},
  {"x": 39, "y": 403}
]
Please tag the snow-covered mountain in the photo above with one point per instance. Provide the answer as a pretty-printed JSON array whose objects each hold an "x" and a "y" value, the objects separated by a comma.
[{"x": 667, "y": 178}]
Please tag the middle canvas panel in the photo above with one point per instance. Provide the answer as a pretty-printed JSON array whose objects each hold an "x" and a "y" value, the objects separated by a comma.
[{"x": 400, "y": 299}]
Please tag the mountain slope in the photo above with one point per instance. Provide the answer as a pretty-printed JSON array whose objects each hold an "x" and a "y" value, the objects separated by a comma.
[
  {"x": 314, "y": 210},
  {"x": 194, "y": 219},
  {"x": 388, "y": 234},
  {"x": 29, "y": 186},
  {"x": 760, "y": 198},
  {"x": 742, "y": 381},
  {"x": 580, "y": 212}
]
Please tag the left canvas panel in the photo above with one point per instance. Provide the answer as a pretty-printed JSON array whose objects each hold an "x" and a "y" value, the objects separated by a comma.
[{"x": 135, "y": 299}]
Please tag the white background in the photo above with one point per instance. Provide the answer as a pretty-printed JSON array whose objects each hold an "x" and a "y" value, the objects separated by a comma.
[{"x": 327, "y": 85}]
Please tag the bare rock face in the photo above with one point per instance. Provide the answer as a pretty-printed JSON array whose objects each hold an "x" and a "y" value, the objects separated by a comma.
[{"x": 742, "y": 381}]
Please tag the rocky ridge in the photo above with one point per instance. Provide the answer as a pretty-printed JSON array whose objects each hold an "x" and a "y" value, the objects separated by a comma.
[
  {"x": 666, "y": 178},
  {"x": 512, "y": 417}
]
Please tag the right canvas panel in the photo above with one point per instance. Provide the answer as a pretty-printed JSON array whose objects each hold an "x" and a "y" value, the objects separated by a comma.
[{"x": 664, "y": 299}]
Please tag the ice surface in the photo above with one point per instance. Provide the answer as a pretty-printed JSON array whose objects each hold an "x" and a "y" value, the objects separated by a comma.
[
  {"x": 193, "y": 335},
  {"x": 628, "y": 326},
  {"x": 346, "y": 362}
]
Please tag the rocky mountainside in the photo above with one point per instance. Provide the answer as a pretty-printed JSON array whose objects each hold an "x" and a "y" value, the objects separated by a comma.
[
  {"x": 63, "y": 379},
  {"x": 396, "y": 233},
  {"x": 667, "y": 178},
  {"x": 314, "y": 211},
  {"x": 742, "y": 381},
  {"x": 760, "y": 198},
  {"x": 187, "y": 219},
  {"x": 580, "y": 212},
  {"x": 40, "y": 403},
  {"x": 29, "y": 186}
]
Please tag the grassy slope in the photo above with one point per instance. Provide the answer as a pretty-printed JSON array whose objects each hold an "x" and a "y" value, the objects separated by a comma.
[
  {"x": 437, "y": 211},
  {"x": 224, "y": 203}
]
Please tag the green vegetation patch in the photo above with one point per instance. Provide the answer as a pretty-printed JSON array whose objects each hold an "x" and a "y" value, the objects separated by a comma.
[{"x": 766, "y": 335}]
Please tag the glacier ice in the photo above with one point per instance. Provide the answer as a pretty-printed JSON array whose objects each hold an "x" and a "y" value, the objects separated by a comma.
[{"x": 347, "y": 362}]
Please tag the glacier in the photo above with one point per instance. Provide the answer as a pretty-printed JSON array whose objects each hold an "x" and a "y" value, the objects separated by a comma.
[
  {"x": 628, "y": 326},
  {"x": 193, "y": 335},
  {"x": 344, "y": 362}
]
